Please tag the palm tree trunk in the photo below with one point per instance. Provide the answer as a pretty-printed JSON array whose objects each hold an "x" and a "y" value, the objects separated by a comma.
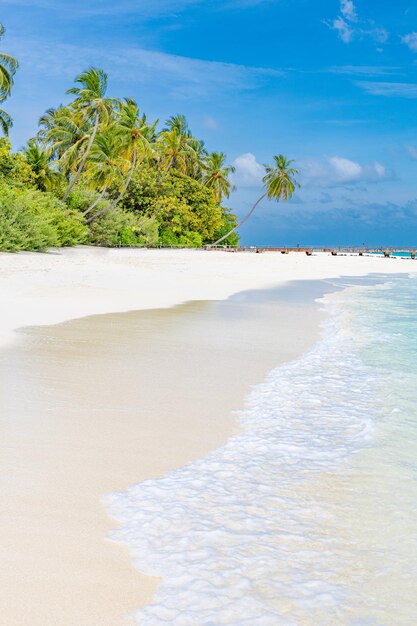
[
  {"x": 240, "y": 223},
  {"x": 111, "y": 206},
  {"x": 84, "y": 159},
  {"x": 96, "y": 201}
]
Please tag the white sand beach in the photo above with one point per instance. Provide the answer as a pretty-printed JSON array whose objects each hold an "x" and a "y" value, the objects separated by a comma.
[
  {"x": 41, "y": 289},
  {"x": 92, "y": 406}
]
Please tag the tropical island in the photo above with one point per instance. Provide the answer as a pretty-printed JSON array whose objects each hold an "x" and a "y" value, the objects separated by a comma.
[
  {"x": 99, "y": 172},
  {"x": 191, "y": 436}
]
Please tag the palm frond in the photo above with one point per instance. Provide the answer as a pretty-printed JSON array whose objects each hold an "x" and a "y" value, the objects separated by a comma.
[{"x": 6, "y": 122}]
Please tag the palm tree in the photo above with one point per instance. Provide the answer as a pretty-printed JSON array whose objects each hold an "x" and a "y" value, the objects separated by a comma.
[
  {"x": 216, "y": 175},
  {"x": 133, "y": 135},
  {"x": 66, "y": 132},
  {"x": 39, "y": 160},
  {"x": 179, "y": 124},
  {"x": 173, "y": 150},
  {"x": 196, "y": 159},
  {"x": 8, "y": 68},
  {"x": 6, "y": 121},
  {"x": 105, "y": 165},
  {"x": 91, "y": 102},
  {"x": 179, "y": 149},
  {"x": 279, "y": 183}
]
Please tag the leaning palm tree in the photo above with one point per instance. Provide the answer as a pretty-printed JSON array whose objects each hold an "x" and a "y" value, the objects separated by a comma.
[
  {"x": 96, "y": 108},
  {"x": 133, "y": 135},
  {"x": 279, "y": 183},
  {"x": 216, "y": 175}
]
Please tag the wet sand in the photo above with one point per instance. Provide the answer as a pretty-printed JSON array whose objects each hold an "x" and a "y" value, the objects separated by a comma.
[
  {"x": 94, "y": 405},
  {"x": 65, "y": 284}
]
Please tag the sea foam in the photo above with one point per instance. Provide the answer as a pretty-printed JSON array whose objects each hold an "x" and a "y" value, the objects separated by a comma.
[{"x": 250, "y": 534}]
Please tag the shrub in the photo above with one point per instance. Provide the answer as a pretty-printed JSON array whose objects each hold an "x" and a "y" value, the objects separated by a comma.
[
  {"x": 13, "y": 167},
  {"x": 121, "y": 228},
  {"x": 33, "y": 220},
  {"x": 229, "y": 222},
  {"x": 80, "y": 198},
  {"x": 178, "y": 202},
  {"x": 187, "y": 239}
]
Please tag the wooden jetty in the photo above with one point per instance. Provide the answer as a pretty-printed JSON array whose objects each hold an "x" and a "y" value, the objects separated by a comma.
[{"x": 309, "y": 251}]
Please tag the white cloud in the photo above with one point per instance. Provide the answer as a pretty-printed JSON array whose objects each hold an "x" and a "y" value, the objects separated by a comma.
[
  {"x": 337, "y": 171},
  {"x": 379, "y": 171},
  {"x": 412, "y": 151},
  {"x": 363, "y": 70},
  {"x": 342, "y": 24},
  {"x": 411, "y": 41},
  {"x": 249, "y": 172},
  {"x": 348, "y": 10},
  {"x": 179, "y": 75},
  {"x": 344, "y": 30},
  {"x": 329, "y": 171},
  {"x": 377, "y": 33},
  {"x": 348, "y": 25},
  {"x": 146, "y": 9},
  {"x": 210, "y": 123},
  {"x": 399, "y": 90}
]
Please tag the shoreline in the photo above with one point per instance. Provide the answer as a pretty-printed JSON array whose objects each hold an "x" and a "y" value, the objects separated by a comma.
[
  {"x": 38, "y": 289},
  {"x": 103, "y": 464},
  {"x": 122, "y": 430}
]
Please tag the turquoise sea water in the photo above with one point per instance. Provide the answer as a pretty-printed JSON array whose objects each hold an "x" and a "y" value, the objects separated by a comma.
[
  {"x": 309, "y": 516},
  {"x": 404, "y": 254}
]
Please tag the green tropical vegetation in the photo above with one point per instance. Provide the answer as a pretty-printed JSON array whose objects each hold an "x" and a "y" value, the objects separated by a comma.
[
  {"x": 8, "y": 67},
  {"x": 100, "y": 172}
]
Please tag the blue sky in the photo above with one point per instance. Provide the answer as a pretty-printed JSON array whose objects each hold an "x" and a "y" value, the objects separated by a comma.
[{"x": 332, "y": 85}]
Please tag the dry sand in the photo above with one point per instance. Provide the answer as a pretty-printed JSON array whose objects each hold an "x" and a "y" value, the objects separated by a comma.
[
  {"x": 39, "y": 289},
  {"x": 94, "y": 405}
]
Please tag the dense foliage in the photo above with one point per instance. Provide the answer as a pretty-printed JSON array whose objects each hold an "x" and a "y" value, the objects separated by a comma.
[
  {"x": 33, "y": 220},
  {"x": 99, "y": 172},
  {"x": 187, "y": 212}
]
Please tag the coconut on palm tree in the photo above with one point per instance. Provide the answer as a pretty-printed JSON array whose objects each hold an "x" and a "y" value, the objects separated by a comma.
[
  {"x": 279, "y": 183},
  {"x": 95, "y": 108},
  {"x": 216, "y": 175}
]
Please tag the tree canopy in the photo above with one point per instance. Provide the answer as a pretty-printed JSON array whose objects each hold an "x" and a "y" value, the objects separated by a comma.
[
  {"x": 106, "y": 165},
  {"x": 116, "y": 176}
]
